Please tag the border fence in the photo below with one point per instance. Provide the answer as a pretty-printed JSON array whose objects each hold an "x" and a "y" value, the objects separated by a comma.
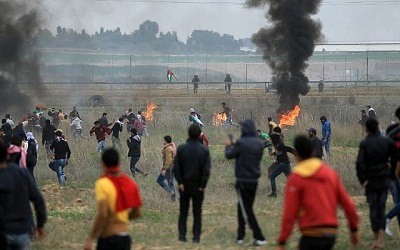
[{"x": 248, "y": 71}]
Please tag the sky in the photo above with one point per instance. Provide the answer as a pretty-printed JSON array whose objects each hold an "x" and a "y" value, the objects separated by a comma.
[{"x": 342, "y": 20}]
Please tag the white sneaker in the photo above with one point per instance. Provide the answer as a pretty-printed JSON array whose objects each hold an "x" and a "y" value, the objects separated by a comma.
[
  {"x": 259, "y": 242},
  {"x": 240, "y": 242},
  {"x": 387, "y": 229}
]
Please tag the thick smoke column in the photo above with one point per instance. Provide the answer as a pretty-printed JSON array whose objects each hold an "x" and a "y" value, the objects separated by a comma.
[
  {"x": 18, "y": 62},
  {"x": 288, "y": 44}
]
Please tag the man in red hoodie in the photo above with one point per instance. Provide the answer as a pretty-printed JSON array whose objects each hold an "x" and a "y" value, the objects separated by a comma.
[{"x": 313, "y": 193}]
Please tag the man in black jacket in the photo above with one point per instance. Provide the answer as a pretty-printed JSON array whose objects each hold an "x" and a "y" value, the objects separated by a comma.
[
  {"x": 62, "y": 153},
  {"x": 373, "y": 173},
  {"x": 17, "y": 189},
  {"x": 248, "y": 152},
  {"x": 192, "y": 169},
  {"x": 134, "y": 142},
  {"x": 282, "y": 159},
  {"x": 104, "y": 121},
  {"x": 48, "y": 136}
]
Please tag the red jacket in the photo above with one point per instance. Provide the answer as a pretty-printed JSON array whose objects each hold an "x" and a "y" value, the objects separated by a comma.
[
  {"x": 100, "y": 132},
  {"x": 313, "y": 192}
]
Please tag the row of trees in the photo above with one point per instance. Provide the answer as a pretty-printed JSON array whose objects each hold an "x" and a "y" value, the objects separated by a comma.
[{"x": 146, "y": 39}]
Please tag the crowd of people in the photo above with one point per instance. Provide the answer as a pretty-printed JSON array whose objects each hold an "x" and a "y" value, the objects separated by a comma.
[{"x": 312, "y": 194}]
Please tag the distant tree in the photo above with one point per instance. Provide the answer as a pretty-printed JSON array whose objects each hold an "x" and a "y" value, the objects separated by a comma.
[
  {"x": 146, "y": 39},
  {"x": 169, "y": 43},
  {"x": 204, "y": 41},
  {"x": 147, "y": 32},
  {"x": 44, "y": 39}
]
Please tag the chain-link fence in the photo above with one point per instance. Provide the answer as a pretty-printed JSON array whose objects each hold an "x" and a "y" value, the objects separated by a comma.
[{"x": 381, "y": 67}]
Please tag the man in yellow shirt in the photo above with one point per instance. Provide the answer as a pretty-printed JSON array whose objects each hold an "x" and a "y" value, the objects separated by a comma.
[{"x": 118, "y": 202}]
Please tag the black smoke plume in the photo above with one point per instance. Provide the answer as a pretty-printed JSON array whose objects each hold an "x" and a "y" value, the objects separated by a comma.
[
  {"x": 19, "y": 63},
  {"x": 288, "y": 44}
]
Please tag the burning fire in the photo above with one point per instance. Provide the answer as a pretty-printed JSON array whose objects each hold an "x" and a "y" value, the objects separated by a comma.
[
  {"x": 290, "y": 117},
  {"x": 148, "y": 114},
  {"x": 218, "y": 119}
]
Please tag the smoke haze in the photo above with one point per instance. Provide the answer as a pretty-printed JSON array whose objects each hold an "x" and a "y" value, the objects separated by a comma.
[
  {"x": 18, "y": 62},
  {"x": 287, "y": 44}
]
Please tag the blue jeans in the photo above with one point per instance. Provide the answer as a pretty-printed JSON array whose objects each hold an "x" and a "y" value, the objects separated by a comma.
[
  {"x": 395, "y": 211},
  {"x": 58, "y": 168},
  {"x": 169, "y": 186},
  {"x": 18, "y": 241},
  {"x": 326, "y": 144},
  {"x": 101, "y": 146},
  {"x": 229, "y": 121},
  {"x": 279, "y": 169}
]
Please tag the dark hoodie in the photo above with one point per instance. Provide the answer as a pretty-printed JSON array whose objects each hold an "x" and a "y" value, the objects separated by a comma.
[
  {"x": 247, "y": 151},
  {"x": 134, "y": 146}
]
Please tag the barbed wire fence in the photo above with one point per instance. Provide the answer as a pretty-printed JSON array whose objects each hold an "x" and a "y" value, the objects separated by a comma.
[{"x": 77, "y": 72}]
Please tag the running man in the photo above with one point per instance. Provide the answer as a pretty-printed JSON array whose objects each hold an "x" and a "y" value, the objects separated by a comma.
[{"x": 228, "y": 112}]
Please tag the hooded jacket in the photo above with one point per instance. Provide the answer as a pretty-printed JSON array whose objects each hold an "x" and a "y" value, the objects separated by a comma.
[
  {"x": 248, "y": 152},
  {"x": 313, "y": 193},
  {"x": 134, "y": 146}
]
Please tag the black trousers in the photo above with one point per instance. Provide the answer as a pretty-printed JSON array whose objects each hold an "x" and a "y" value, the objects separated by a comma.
[
  {"x": 246, "y": 195},
  {"x": 114, "y": 243},
  {"x": 376, "y": 199},
  {"x": 197, "y": 198},
  {"x": 314, "y": 243}
]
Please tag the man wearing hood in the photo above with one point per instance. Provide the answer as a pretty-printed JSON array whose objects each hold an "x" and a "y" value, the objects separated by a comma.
[
  {"x": 313, "y": 193},
  {"x": 248, "y": 152}
]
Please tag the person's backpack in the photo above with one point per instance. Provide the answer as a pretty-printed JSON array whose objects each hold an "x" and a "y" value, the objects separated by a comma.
[{"x": 32, "y": 156}]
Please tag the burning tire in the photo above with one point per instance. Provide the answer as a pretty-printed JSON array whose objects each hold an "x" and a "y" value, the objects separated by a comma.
[{"x": 95, "y": 101}]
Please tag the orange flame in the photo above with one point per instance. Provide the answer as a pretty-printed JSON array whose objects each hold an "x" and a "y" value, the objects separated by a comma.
[
  {"x": 218, "y": 119},
  {"x": 290, "y": 117},
  {"x": 148, "y": 114}
]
